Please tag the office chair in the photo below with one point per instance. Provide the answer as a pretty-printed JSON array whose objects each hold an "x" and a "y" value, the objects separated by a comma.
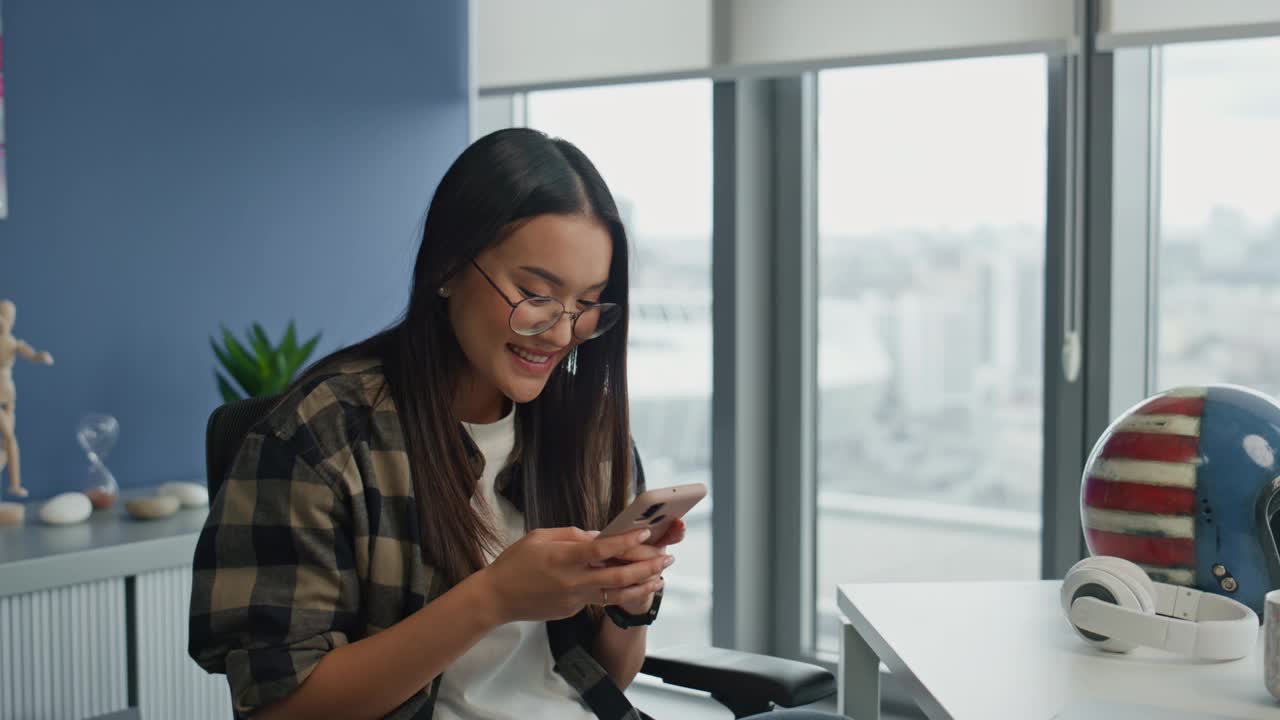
[{"x": 745, "y": 683}]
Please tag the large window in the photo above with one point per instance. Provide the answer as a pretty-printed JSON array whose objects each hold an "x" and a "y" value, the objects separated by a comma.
[
  {"x": 1219, "y": 252},
  {"x": 652, "y": 144},
  {"x": 931, "y": 198}
]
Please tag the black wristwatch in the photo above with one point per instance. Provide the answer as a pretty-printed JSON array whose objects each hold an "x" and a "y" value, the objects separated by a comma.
[{"x": 624, "y": 619}]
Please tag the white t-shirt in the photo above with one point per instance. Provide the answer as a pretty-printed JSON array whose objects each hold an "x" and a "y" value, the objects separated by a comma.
[{"x": 508, "y": 674}]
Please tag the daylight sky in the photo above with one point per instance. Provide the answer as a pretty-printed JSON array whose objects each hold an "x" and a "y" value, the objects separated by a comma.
[{"x": 938, "y": 145}]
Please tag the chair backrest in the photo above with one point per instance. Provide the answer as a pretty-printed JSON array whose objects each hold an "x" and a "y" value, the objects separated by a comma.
[{"x": 228, "y": 425}]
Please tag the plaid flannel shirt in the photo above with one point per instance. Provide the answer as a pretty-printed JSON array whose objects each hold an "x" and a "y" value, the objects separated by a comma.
[{"x": 313, "y": 542}]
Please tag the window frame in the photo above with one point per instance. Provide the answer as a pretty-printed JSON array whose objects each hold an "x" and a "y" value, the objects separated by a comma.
[{"x": 1101, "y": 253}]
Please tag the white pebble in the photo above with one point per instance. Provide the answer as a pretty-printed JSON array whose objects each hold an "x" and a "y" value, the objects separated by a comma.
[
  {"x": 11, "y": 514},
  {"x": 188, "y": 493},
  {"x": 66, "y": 509},
  {"x": 152, "y": 508}
]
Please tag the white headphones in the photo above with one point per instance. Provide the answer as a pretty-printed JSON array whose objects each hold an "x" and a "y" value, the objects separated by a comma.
[{"x": 1113, "y": 605}]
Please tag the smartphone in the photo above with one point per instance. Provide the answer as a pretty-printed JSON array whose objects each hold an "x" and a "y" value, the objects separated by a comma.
[{"x": 656, "y": 509}]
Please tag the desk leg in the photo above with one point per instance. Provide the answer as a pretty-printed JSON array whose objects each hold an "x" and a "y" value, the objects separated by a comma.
[{"x": 859, "y": 682}]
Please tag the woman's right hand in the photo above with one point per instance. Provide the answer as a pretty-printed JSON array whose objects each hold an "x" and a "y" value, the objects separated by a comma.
[{"x": 549, "y": 575}]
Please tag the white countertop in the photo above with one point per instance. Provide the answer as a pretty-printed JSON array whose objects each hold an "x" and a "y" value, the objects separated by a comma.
[{"x": 992, "y": 650}]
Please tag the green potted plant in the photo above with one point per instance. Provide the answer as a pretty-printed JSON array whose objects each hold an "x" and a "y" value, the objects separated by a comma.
[{"x": 259, "y": 368}]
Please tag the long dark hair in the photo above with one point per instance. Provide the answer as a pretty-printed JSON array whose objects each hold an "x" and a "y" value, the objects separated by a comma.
[{"x": 578, "y": 428}]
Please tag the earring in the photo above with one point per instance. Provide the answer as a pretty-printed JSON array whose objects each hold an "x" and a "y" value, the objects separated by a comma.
[{"x": 443, "y": 292}]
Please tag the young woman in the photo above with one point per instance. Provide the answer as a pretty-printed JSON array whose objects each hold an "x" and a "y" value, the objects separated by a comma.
[{"x": 406, "y": 534}]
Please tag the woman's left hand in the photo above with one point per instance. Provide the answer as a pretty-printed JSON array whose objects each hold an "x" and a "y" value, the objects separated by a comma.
[{"x": 674, "y": 534}]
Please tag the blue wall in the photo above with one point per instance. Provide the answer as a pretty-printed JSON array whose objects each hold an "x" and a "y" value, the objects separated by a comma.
[{"x": 174, "y": 165}]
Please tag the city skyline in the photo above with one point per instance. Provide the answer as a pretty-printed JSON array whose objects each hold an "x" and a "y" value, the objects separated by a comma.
[{"x": 931, "y": 241}]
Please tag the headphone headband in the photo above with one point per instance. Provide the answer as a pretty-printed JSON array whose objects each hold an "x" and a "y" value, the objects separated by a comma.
[{"x": 1104, "y": 604}]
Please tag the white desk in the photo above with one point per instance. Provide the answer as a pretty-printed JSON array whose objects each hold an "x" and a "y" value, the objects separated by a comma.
[{"x": 984, "y": 651}]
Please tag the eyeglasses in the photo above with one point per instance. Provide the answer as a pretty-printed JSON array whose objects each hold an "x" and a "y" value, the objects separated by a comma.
[{"x": 537, "y": 314}]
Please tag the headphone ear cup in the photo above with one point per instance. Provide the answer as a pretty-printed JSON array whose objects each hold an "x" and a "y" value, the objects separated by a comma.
[
  {"x": 1138, "y": 579},
  {"x": 1092, "y": 578}
]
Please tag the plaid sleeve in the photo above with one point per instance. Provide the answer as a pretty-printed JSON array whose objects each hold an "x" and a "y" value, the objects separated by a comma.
[{"x": 274, "y": 585}]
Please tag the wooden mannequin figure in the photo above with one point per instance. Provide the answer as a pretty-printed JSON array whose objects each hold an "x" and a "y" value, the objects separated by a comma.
[{"x": 10, "y": 348}]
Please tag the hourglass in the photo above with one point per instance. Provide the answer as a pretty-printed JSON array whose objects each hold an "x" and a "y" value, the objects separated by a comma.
[{"x": 97, "y": 434}]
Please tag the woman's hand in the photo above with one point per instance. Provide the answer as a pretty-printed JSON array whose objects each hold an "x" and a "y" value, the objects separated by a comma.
[
  {"x": 641, "y": 553},
  {"x": 549, "y": 574},
  {"x": 673, "y": 535}
]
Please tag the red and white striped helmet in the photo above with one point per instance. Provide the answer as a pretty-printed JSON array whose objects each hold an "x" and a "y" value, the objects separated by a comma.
[{"x": 1187, "y": 485}]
